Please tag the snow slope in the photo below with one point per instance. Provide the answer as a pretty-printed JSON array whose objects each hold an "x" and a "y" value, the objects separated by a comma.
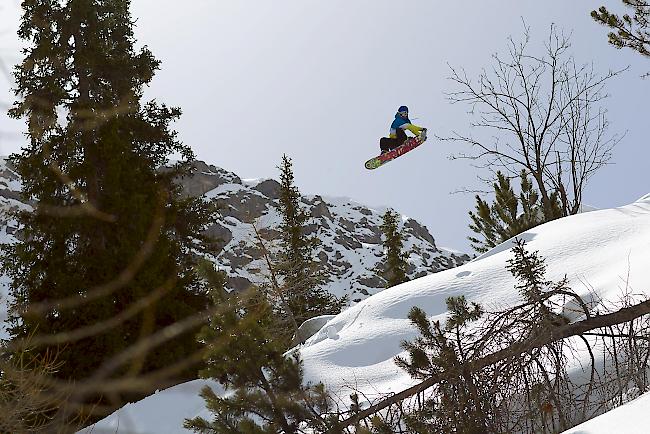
[
  {"x": 596, "y": 250},
  {"x": 604, "y": 251},
  {"x": 161, "y": 413},
  {"x": 631, "y": 418}
]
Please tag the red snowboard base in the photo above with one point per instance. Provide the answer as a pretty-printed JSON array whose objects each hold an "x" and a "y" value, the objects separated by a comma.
[{"x": 407, "y": 146}]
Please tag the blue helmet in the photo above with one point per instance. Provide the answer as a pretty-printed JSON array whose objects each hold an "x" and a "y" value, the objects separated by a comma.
[{"x": 403, "y": 109}]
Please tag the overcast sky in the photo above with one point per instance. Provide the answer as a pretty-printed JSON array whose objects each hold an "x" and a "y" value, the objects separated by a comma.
[{"x": 320, "y": 80}]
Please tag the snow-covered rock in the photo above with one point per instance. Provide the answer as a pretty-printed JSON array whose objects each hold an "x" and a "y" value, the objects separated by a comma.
[
  {"x": 309, "y": 328},
  {"x": 351, "y": 247}
]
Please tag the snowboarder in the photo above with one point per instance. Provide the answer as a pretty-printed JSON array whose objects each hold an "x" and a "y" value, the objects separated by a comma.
[{"x": 397, "y": 130}]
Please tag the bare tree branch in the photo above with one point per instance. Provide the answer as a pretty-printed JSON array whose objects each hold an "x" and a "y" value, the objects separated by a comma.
[{"x": 546, "y": 117}]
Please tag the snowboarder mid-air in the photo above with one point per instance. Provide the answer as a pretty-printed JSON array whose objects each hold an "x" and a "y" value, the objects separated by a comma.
[
  {"x": 397, "y": 130},
  {"x": 398, "y": 143}
]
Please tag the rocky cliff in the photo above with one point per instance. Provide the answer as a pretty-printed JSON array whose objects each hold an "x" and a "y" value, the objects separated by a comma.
[{"x": 350, "y": 234}]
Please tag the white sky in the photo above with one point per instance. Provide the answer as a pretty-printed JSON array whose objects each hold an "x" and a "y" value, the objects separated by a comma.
[{"x": 321, "y": 80}]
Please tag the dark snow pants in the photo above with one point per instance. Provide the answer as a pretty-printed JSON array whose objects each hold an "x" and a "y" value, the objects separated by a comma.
[{"x": 387, "y": 144}]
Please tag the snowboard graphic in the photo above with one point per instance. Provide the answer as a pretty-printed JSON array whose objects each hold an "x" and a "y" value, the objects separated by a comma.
[{"x": 408, "y": 145}]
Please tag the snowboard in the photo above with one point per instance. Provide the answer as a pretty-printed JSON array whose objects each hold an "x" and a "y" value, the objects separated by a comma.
[{"x": 408, "y": 145}]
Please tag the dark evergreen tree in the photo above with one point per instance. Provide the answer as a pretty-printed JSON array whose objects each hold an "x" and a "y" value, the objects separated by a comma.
[
  {"x": 629, "y": 30},
  {"x": 530, "y": 271},
  {"x": 510, "y": 214},
  {"x": 110, "y": 227},
  {"x": 244, "y": 354},
  {"x": 469, "y": 400},
  {"x": 302, "y": 279},
  {"x": 395, "y": 264},
  {"x": 461, "y": 402}
]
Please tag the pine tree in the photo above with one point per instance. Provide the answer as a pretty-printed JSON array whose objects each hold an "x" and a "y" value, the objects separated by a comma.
[
  {"x": 529, "y": 268},
  {"x": 395, "y": 263},
  {"x": 462, "y": 400},
  {"x": 629, "y": 30},
  {"x": 110, "y": 227},
  {"x": 503, "y": 219},
  {"x": 468, "y": 398},
  {"x": 302, "y": 280},
  {"x": 244, "y": 354}
]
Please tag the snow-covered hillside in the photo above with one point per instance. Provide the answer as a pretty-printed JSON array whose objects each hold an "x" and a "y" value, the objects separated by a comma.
[
  {"x": 597, "y": 251},
  {"x": 603, "y": 251}
]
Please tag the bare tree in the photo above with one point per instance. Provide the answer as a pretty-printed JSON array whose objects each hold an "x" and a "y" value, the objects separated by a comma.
[{"x": 544, "y": 115}]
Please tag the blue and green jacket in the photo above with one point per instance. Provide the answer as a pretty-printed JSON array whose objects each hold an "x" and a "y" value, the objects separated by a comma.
[{"x": 405, "y": 124}]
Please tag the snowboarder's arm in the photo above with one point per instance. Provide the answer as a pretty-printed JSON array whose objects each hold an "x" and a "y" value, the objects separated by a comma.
[{"x": 413, "y": 128}]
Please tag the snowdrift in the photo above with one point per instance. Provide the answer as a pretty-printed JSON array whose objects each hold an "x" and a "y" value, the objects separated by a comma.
[{"x": 606, "y": 252}]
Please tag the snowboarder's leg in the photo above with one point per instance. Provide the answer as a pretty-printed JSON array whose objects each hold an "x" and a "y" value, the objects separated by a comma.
[
  {"x": 401, "y": 137},
  {"x": 386, "y": 144}
]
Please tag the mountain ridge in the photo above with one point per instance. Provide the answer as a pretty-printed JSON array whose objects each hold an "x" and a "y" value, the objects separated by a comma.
[{"x": 350, "y": 234}]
